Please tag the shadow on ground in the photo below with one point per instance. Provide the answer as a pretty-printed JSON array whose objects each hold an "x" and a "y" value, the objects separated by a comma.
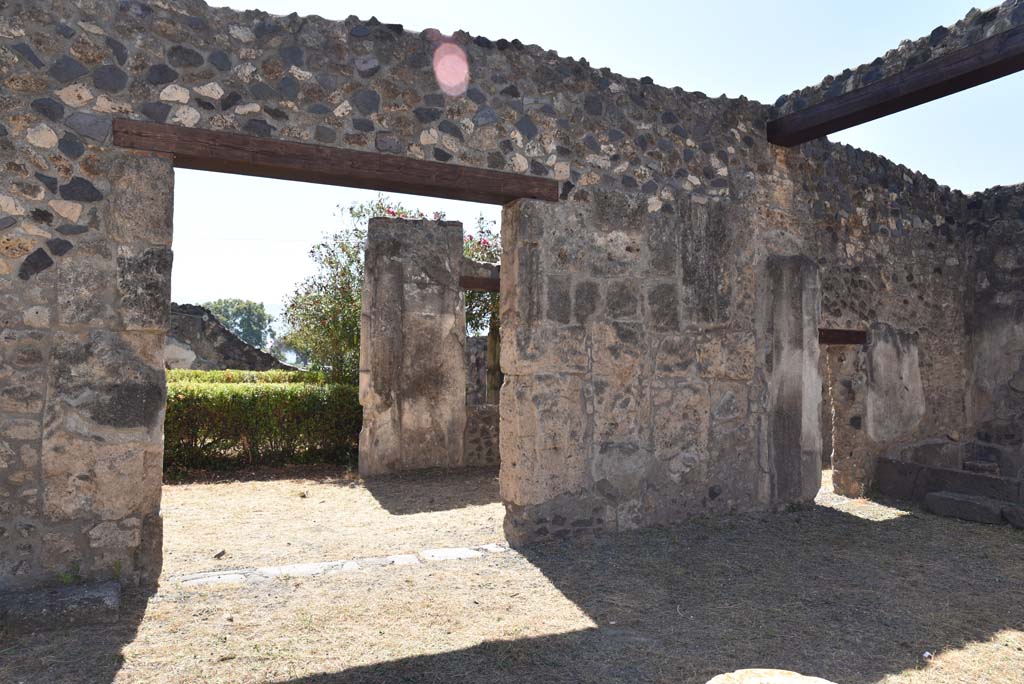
[
  {"x": 427, "y": 491},
  {"x": 818, "y": 591}
]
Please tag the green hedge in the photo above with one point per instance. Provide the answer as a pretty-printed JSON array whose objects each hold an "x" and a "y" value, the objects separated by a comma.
[
  {"x": 234, "y": 376},
  {"x": 225, "y": 425}
]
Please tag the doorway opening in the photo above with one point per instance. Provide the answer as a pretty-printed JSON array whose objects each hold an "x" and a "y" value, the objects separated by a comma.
[{"x": 839, "y": 419}]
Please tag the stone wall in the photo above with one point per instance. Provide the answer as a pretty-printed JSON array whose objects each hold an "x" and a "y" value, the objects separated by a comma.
[
  {"x": 997, "y": 326},
  {"x": 642, "y": 354},
  {"x": 476, "y": 371},
  {"x": 973, "y": 28},
  {"x": 412, "y": 367},
  {"x": 196, "y": 339}
]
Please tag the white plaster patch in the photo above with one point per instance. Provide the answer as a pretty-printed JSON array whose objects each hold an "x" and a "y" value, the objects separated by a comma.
[
  {"x": 211, "y": 90},
  {"x": 11, "y": 206},
  {"x": 107, "y": 106},
  {"x": 186, "y": 116},
  {"x": 250, "y": 108},
  {"x": 242, "y": 33},
  {"x": 42, "y": 136},
  {"x": 174, "y": 93},
  {"x": 65, "y": 209},
  {"x": 343, "y": 110},
  {"x": 75, "y": 95}
]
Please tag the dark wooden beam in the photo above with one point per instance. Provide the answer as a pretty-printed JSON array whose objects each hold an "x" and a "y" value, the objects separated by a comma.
[
  {"x": 832, "y": 336},
  {"x": 194, "y": 148},
  {"x": 986, "y": 60},
  {"x": 479, "y": 284}
]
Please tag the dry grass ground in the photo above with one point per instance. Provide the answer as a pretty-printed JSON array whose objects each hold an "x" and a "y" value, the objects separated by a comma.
[
  {"x": 851, "y": 591},
  {"x": 299, "y": 515}
]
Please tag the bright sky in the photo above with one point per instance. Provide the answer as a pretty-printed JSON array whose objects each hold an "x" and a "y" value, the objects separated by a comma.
[{"x": 249, "y": 238}]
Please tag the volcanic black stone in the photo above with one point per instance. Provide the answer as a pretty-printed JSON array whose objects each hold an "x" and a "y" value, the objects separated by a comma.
[
  {"x": 65, "y": 31},
  {"x": 427, "y": 114},
  {"x": 441, "y": 155},
  {"x": 363, "y": 125},
  {"x": 50, "y": 108},
  {"x": 90, "y": 125},
  {"x": 325, "y": 134},
  {"x": 289, "y": 87},
  {"x": 276, "y": 114},
  {"x": 220, "y": 60},
  {"x": 615, "y": 135},
  {"x": 49, "y": 181},
  {"x": 451, "y": 129},
  {"x": 261, "y": 91},
  {"x": 476, "y": 95},
  {"x": 538, "y": 169},
  {"x": 501, "y": 44},
  {"x": 67, "y": 69},
  {"x": 71, "y": 229},
  {"x": 628, "y": 182},
  {"x": 366, "y": 101},
  {"x": 109, "y": 78},
  {"x": 25, "y": 51},
  {"x": 318, "y": 108},
  {"x": 367, "y": 65},
  {"x": 292, "y": 55},
  {"x": 483, "y": 42},
  {"x": 70, "y": 146},
  {"x": 591, "y": 142},
  {"x": 229, "y": 100},
  {"x": 266, "y": 27},
  {"x": 259, "y": 127},
  {"x": 506, "y": 146},
  {"x": 646, "y": 80},
  {"x": 567, "y": 187},
  {"x": 3, "y": 131},
  {"x": 679, "y": 130},
  {"x": 185, "y": 57},
  {"x": 433, "y": 100},
  {"x": 526, "y": 126},
  {"x": 649, "y": 187},
  {"x": 485, "y": 116},
  {"x": 59, "y": 246},
  {"x": 34, "y": 263},
  {"x": 80, "y": 190},
  {"x": 359, "y": 31},
  {"x": 669, "y": 118},
  {"x": 197, "y": 23},
  {"x": 118, "y": 49},
  {"x": 7, "y": 221},
  {"x": 156, "y": 111},
  {"x": 205, "y": 104},
  {"x": 593, "y": 105},
  {"x": 510, "y": 91},
  {"x": 385, "y": 142},
  {"x": 159, "y": 74}
]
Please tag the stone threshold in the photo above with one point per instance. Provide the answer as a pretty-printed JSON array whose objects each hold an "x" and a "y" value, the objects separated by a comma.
[{"x": 327, "y": 568}]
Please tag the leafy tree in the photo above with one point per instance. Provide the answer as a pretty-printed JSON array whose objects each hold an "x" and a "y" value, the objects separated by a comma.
[
  {"x": 323, "y": 313},
  {"x": 249, "y": 320}
]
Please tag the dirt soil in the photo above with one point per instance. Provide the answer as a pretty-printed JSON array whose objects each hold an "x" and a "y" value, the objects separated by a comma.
[
  {"x": 312, "y": 514},
  {"x": 855, "y": 592}
]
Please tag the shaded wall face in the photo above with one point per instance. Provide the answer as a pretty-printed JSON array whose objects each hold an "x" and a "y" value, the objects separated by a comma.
[
  {"x": 890, "y": 247},
  {"x": 412, "y": 367},
  {"x": 997, "y": 331}
]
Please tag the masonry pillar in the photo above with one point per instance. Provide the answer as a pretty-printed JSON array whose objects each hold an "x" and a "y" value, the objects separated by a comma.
[
  {"x": 789, "y": 325},
  {"x": 412, "y": 373}
]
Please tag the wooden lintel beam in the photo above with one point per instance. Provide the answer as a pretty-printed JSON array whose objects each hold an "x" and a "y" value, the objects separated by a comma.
[
  {"x": 479, "y": 284},
  {"x": 986, "y": 60},
  {"x": 832, "y": 336},
  {"x": 207, "y": 150}
]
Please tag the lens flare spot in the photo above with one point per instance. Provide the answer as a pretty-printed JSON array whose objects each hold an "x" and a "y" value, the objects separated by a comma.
[{"x": 451, "y": 69}]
